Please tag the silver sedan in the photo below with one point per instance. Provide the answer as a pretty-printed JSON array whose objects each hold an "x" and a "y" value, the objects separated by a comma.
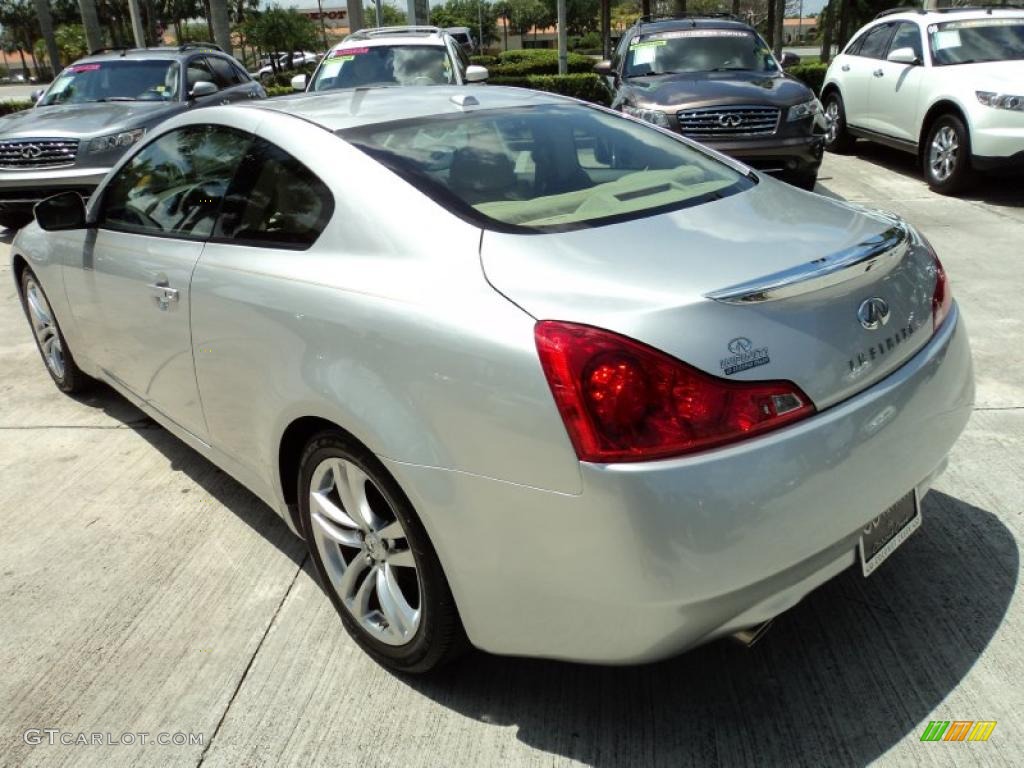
[{"x": 524, "y": 373}]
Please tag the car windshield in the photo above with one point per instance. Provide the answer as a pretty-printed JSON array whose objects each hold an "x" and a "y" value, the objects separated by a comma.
[
  {"x": 973, "y": 40},
  {"x": 385, "y": 65},
  {"x": 547, "y": 168},
  {"x": 121, "y": 80},
  {"x": 698, "y": 50}
]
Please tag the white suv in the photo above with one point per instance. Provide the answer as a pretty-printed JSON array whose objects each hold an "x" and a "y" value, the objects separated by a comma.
[{"x": 946, "y": 85}]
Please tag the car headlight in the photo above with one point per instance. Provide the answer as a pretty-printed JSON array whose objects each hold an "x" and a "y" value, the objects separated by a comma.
[
  {"x": 806, "y": 109},
  {"x": 653, "y": 116},
  {"x": 1001, "y": 100},
  {"x": 121, "y": 140}
]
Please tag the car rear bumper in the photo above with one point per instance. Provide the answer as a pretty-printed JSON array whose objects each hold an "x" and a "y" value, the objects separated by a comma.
[
  {"x": 799, "y": 155},
  {"x": 654, "y": 558}
]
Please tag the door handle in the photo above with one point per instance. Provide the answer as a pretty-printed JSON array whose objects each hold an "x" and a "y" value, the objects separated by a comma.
[
  {"x": 163, "y": 294},
  {"x": 845, "y": 67},
  {"x": 878, "y": 73}
]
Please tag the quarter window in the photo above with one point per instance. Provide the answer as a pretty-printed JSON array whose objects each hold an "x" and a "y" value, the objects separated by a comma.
[
  {"x": 175, "y": 185},
  {"x": 275, "y": 201}
]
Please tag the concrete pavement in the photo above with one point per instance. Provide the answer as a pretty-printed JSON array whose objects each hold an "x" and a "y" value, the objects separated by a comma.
[{"x": 142, "y": 590}]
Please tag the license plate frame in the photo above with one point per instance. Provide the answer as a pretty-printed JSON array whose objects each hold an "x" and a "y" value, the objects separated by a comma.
[{"x": 887, "y": 532}]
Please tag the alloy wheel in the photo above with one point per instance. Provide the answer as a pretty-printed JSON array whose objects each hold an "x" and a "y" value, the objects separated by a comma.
[
  {"x": 943, "y": 153},
  {"x": 832, "y": 120},
  {"x": 45, "y": 328},
  {"x": 365, "y": 551}
]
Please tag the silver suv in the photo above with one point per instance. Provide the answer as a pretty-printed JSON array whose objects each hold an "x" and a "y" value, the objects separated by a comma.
[{"x": 98, "y": 107}]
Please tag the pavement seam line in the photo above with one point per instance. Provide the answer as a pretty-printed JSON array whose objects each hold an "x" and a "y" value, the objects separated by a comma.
[
  {"x": 1000, "y": 408},
  {"x": 129, "y": 425},
  {"x": 255, "y": 653}
]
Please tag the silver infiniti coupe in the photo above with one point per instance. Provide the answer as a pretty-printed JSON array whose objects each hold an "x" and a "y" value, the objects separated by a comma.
[{"x": 523, "y": 372}]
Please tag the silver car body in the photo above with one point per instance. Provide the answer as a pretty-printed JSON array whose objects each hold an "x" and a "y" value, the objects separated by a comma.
[{"x": 413, "y": 329}]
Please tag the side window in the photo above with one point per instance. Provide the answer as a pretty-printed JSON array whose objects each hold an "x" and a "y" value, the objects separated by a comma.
[
  {"x": 275, "y": 201},
  {"x": 223, "y": 73},
  {"x": 908, "y": 35},
  {"x": 620, "y": 50},
  {"x": 240, "y": 74},
  {"x": 875, "y": 42},
  {"x": 199, "y": 71},
  {"x": 175, "y": 185}
]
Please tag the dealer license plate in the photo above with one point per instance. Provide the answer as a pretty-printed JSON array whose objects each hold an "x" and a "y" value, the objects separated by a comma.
[{"x": 885, "y": 533}]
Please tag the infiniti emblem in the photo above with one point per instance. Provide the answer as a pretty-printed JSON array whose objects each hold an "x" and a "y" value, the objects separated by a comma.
[
  {"x": 31, "y": 152},
  {"x": 730, "y": 121},
  {"x": 873, "y": 313},
  {"x": 740, "y": 345}
]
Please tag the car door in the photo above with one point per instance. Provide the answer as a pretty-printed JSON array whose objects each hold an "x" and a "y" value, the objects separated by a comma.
[
  {"x": 858, "y": 68},
  {"x": 131, "y": 293},
  {"x": 894, "y": 96}
]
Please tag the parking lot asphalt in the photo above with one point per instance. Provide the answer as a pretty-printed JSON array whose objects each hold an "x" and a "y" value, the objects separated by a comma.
[{"x": 144, "y": 591}]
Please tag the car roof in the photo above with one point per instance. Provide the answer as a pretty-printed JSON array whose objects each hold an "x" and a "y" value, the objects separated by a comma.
[
  {"x": 338, "y": 110},
  {"x": 696, "y": 22},
  {"x": 167, "y": 53},
  {"x": 949, "y": 14},
  {"x": 368, "y": 38}
]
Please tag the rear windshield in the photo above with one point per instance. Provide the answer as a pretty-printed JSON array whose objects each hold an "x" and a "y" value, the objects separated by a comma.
[
  {"x": 122, "y": 80},
  {"x": 698, "y": 50},
  {"x": 361, "y": 67},
  {"x": 975, "y": 40},
  {"x": 547, "y": 168}
]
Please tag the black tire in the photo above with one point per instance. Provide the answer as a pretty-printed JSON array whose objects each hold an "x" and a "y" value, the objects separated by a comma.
[
  {"x": 68, "y": 377},
  {"x": 840, "y": 141},
  {"x": 439, "y": 637},
  {"x": 15, "y": 219},
  {"x": 958, "y": 166}
]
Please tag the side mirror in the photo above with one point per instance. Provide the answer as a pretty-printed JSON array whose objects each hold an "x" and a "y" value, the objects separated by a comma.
[
  {"x": 476, "y": 74},
  {"x": 202, "y": 88},
  {"x": 63, "y": 211},
  {"x": 37, "y": 94},
  {"x": 789, "y": 59},
  {"x": 299, "y": 83},
  {"x": 903, "y": 56},
  {"x": 603, "y": 68}
]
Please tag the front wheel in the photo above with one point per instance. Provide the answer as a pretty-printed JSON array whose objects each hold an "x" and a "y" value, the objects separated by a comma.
[
  {"x": 374, "y": 559},
  {"x": 947, "y": 156},
  {"x": 49, "y": 340},
  {"x": 837, "y": 136}
]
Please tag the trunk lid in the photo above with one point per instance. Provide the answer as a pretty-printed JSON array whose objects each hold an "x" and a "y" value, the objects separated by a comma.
[{"x": 762, "y": 285}]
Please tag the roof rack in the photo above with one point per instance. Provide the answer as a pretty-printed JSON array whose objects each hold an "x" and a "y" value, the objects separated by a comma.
[
  {"x": 900, "y": 9},
  {"x": 122, "y": 49},
  {"x": 404, "y": 30},
  {"x": 688, "y": 17},
  {"x": 200, "y": 46}
]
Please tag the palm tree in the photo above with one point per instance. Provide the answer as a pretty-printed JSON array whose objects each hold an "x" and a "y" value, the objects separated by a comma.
[
  {"x": 46, "y": 28},
  {"x": 91, "y": 22},
  {"x": 221, "y": 24}
]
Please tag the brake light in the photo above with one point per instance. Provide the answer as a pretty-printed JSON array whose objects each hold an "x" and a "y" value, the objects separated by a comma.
[
  {"x": 625, "y": 401},
  {"x": 942, "y": 299}
]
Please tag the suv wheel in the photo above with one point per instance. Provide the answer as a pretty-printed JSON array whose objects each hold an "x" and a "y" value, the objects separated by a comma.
[
  {"x": 947, "y": 155},
  {"x": 374, "y": 558},
  {"x": 837, "y": 137}
]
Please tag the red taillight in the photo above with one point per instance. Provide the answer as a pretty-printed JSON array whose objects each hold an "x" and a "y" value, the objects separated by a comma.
[
  {"x": 942, "y": 299},
  {"x": 624, "y": 401}
]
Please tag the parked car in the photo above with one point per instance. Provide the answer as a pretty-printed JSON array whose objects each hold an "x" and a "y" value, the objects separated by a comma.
[
  {"x": 392, "y": 56},
  {"x": 99, "y": 107},
  {"x": 443, "y": 359},
  {"x": 464, "y": 37},
  {"x": 715, "y": 80},
  {"x": 287, "y": 61},
  {"x": 946, "y": 86}
]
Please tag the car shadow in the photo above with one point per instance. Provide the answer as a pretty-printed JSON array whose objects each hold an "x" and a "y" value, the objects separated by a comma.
[
  {"x": 218, "y": 484},
  {"x": 853, "y": 669},
  {"x": 989, "y": 188}
]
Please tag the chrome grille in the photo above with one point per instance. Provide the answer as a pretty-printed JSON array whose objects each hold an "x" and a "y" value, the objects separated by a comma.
[
  {"x": 37, "y": 153},
  {"x": 722, "y": 122}
]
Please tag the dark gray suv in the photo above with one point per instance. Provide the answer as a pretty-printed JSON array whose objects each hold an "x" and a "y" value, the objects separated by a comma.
[
  {"x": 715, "y": 80},
  {"x": 98, "y": 107}
]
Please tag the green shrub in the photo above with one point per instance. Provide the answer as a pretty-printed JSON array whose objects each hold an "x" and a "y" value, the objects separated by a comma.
[
  {"x": 813, "y": 75},
  {"x": 579, "y": 85},
  {"x": 536, "y": 61},
  {"x": 284, "y": 78},
  {"x": 8, "y": 107},
  {"x": 483, "y": 61},
  {"x": 279, "y": 90}
]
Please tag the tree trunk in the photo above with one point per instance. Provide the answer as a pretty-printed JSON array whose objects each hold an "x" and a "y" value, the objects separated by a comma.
[
  {"x": 46, "y": 28},
  {"x": 770, "y": 25},
  {"x": 844, "y": 22},
  {"x": 91, "y": 22},
  {"x": 736, "y": 8},
  {"x": 645, "y": 7},
  {"x": 780, "y": 14},
  {"x": 24, "y": 64},
  {"x": 827, "y": 23},
  {"x": 220, "y": 25}
]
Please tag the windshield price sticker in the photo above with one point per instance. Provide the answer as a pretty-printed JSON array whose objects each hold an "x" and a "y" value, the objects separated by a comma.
[
  {"x": 703, "y": 33},
  {"x": 946, "y": 38},
  {"x": 975, "y": 23},
  {"x": 647, "y": 44},
  {"x": 83, "y": 68},
  {"x": 346, "y": 54}
]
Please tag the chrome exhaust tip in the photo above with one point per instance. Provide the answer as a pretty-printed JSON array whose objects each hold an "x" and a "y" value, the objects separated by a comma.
[{"x": 751, "y": 635}]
